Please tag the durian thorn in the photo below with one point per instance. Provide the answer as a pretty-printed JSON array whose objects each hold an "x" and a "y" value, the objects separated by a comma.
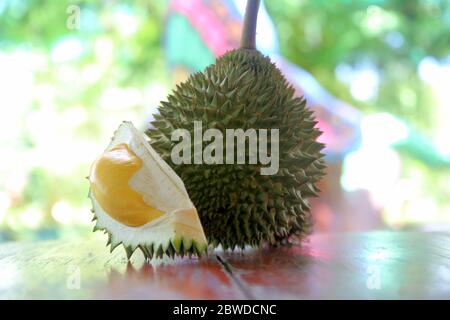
[
  {"x": 113, "y": 246},
  {"x": 148, "y": 253},
  {"x": 249, "y": 30},
  {"x": 128, "y": 251}
]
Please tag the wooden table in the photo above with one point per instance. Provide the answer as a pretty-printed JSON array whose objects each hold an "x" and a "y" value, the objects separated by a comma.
[{"x": 375, "y": 265}]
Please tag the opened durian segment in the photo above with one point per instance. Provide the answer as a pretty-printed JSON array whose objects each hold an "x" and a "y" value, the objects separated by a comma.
[{"x": 168, "y": 222}]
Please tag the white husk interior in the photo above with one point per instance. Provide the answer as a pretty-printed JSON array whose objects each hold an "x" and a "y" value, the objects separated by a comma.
[{"x": 156, "y": 181}]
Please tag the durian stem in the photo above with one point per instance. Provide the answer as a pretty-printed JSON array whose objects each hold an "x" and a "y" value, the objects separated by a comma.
[{"x": 249, "y": 30}]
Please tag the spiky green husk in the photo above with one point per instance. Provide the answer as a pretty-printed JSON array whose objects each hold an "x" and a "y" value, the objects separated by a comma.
[
  {"x": 237, "y": 205},
  {"x": 172, "y": 247}
]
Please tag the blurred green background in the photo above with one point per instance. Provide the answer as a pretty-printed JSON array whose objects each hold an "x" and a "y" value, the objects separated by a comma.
[{"x": 64, "y": 89}]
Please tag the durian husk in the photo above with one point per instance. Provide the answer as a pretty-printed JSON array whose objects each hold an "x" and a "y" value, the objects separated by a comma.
[{"x": 237, "y": 205}]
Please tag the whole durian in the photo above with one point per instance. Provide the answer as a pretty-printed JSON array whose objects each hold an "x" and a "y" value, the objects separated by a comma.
[{"x": 237, "y": 205}]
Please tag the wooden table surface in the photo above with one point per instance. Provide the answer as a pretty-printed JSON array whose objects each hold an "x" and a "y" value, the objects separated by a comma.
[{"x": 375, "y": 265}]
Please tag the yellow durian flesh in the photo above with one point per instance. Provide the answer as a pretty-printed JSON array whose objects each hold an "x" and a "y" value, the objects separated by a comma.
[{"x": 109, "y": 178}]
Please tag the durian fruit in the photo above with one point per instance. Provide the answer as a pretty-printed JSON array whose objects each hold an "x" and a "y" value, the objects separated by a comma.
[
  {"x": 243, "y": 89},
  {"x": 140, "y": 202}
]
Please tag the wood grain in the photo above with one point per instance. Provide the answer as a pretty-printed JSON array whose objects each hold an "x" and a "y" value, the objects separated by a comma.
[{"x": 376, "y": 265}]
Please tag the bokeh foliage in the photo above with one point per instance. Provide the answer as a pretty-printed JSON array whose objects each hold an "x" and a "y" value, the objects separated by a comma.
[{"x": 393, "y": 35}]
